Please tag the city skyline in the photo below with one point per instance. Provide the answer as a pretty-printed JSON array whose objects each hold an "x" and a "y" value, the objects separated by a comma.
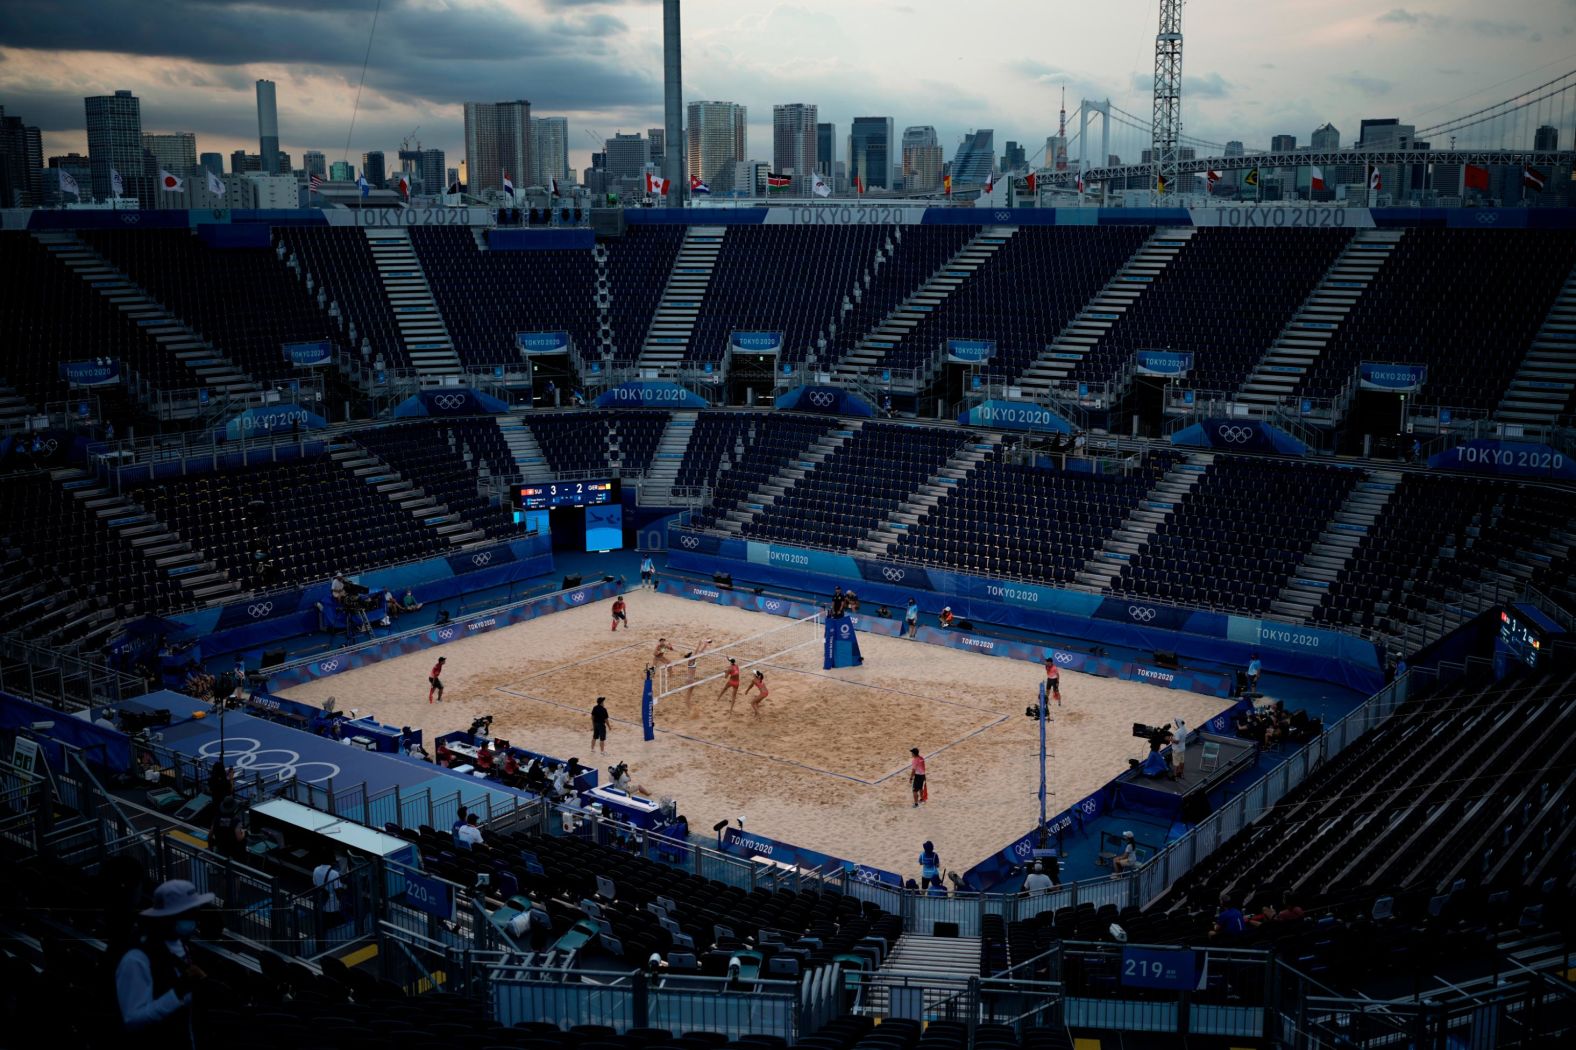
[{"x": 598, "y": 65}]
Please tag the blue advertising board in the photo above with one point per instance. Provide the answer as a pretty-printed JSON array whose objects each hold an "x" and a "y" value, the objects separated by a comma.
[
  {"x": 1516, "y": 459},
  {"x": 1240, "y": 435},
  {"x": 1393, "y": 378},
  {"x": 830, "y": 400},
  {"x": 273, "y": 419},
  {"x": 309, "y": 355},
  {"x": 1173, "y": 969},
  {"x": 1164, "y": 363},
  {"x": 1014, "y": 415},
  {"x": 970, "y": 351},
  {"x": 750, "y": 844},
  {"x": 542, "y": 342},
  {"x": 97, "y": 371},
  {"x": 755, "y": 342},
  {"x": 432, "y": 896},
  {"x": 449, "y": 401},
  {"x": 649, "y": 393}
]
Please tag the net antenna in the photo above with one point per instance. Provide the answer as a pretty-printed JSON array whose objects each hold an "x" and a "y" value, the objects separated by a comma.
[{"x": 795, "y": 635}]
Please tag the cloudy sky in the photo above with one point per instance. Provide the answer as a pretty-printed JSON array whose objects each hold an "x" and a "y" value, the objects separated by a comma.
[{"x": 1251, "y": 69}]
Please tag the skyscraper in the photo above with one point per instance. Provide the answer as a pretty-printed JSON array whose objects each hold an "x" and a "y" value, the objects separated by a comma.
[
  {"x": 431, "y": 170},
  {"x": 872, "y": 151},
  {"x": 267, "y": 127},
  {"x": 1326, "y": 137},
  {"x": 627, "y": 156},
  {"x": 497, "y": 140},
  {"x": 1283, "y": 143},
  {"x": 214, "y": 162},
  {"x": 549, "y": 150},
  {"x": 826, "y": 150},
  {"x": 373, "y": 168},
  {"x": 21, "y": 163},
  {"x": 1014, "y": 157},
  {"x": 922, "y": 159},
  {"x": 1546, "y": 138},
  {"x": 114, "y": 124},
  {"x": 313, "y": 162},
  {"x": 717, "y": 134},
  {"x": 976, "y": 158},
  {"x": 341, "y": 171},
  {"x": 794, "y": 143},
  {"x": 242, "y": 162},
  {"x": 658, "y": 137},
  {"x": 175, "y": 153}
]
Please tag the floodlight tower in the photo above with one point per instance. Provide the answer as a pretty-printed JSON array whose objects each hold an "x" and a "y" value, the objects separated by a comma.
[{"x": 1166, "y": 146}]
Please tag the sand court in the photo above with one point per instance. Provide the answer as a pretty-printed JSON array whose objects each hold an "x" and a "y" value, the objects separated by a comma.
[{"x": 824, "y": 764}]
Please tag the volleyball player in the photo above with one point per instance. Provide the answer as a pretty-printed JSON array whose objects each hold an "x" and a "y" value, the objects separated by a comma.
[
  {"x": 757, "y": 684},
  {"x": 693, "y": 655},
  {"x": 619, "y": 615},
  {"x": 659, "y": 655},
  {"x": 732, "y": 683},
  {"x": 435, "y": 680},
  {"x": 1053, "y": 678}
]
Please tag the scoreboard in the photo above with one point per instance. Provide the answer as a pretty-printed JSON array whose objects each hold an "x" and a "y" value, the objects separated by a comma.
[
  {"x": 552, "y": 495},
  {"x": 1519, "y": 638}
]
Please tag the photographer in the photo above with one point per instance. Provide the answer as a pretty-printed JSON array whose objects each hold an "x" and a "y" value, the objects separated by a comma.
[
  {"x": 155, "y": 980},
  {"x": 227, "y": 833}
]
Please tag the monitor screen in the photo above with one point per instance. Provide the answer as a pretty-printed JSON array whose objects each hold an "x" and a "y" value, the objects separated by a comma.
[{"x": 605, "y": 527}]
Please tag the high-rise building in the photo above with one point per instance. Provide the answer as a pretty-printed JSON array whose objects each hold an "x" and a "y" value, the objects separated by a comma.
[
  {"x": 976, "y": 158},
  {"x": 717, "y": 134},
  {"x": 872, "y": 152},
  {"x": 658, "y": 137},
  {"x": 114, "y": 124},
  {"x": 267, "y": 127},
  {"x": 826, "y": 150},
  {"x": 1325, "y": 137},
  {"x": 497, "y": 142},
  {"x": 1014, "y": 157},
  {"x": 1283, "y": 143},
  {"x": 312, "y": 162},
  {"x": 430, "y": 169},
  {"x": 549, "y": 150},
  {"x": 922, "y": 159},
  {"x": 627, "y": 156},
  {"x": 214, "y": 162},
  {"x": 794, "y": 143},
  {"x": 73, "y": 164},
  {"x": 21, "y": 163},
  {"x": 175, "y": 153},
  {"x": 374, "y": 169},
  {"x": 451, "y": 178},
  {"x": 242, "y": 162},
  {"x": 1546, "y": 138},
  {"x": 341, "y": 171}
]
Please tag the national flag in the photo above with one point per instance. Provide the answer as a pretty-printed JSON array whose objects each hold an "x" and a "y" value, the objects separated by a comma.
[
  {"x": 366, "y": 187},
  {"x": 655, "y": 186},
  {"x": 1212, "y": 176},
  {"x": 1375, "y": 183},
  {"x": 1160, "y": 183},
  {"x": 68, "y": 183},
  {"x": 403, "y": 185},
  {"x": 1316, "y": 181},
  {"x": 1252, "y": 178},
  {"x": 819, "y": 186},
  {"x": 169, "y": 183},
  {"x": 216, "y": 184},
  {"x": 552, "y": 185},
  {"x": 698, "y": 185},
  {"x": 946, "y": 184},
  {"x": 859, "y": 185},
  {"x": 776, "y": 181},
  {"x": 315, "y": 182},
  {"x": 1532, "y": 178},
  {"x": 1078, "y": 182},
  {"x": 990, "y": 181},
  {"x": 1032, "y": 183},
  {"x": 508, "y": 186},
  {"x": 116, "y": 185},
  {"x": 1475, "y": 177}
]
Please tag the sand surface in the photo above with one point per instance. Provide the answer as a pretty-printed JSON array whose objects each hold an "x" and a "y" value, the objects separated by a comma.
[{"x": 824, "y": 765}]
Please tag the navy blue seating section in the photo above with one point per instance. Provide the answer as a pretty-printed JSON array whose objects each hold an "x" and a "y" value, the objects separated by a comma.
[
  {"x": 442, "y": 459},
  {"x": 1027, "y": 292},
  {"x": 1224, "y": 298},
  {"x": 718, "y": 438},
  {"x": 582, "y": 443},
  {"x": 1237, "y": 535},
  {"x": 638, "y": 264},
  {"x": 778, "y": 441},
  {"x": 1466, "y": 303},
  {"x": 317, "y": 520},
  {"x": 487, "y": 297},
  {"x": 1008, "y": 519},
  {"x": 239, "y": 299},
  {"x": 859, "y": 485},
  {"x": 918, "y": 253},
  {"x": 339, "y": 258},
  {"x": 49, "y": 315}
]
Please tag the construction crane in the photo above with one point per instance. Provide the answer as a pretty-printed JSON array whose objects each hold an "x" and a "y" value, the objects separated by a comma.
[
  {"x": 404, "y": 143},
  {"x": 1167, "y": 138}
]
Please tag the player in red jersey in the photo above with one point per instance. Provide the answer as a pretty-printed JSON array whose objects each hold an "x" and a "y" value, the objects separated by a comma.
[
  {"x": 435, "y": 680},
  {"x": 758, "y": 683},
  {"x": 1053, "y": 679},
  {"x": 732, "y": 683},
  {"x": 619, "y": 615}
]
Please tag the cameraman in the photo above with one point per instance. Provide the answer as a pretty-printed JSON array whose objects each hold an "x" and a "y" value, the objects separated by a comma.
[{"x": 227, "y": 833}]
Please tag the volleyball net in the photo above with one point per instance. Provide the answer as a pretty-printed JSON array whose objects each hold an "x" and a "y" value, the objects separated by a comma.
[{"x": 692, "y": 666}]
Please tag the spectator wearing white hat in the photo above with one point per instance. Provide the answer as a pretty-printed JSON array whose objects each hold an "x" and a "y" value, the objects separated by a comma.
[
  {"x": 155, "y": 980},
  {"x": 1129, "y": 855},
  {"x": 1037, "y": 882}
]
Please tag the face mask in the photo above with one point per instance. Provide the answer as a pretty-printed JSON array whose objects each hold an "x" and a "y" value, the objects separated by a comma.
[{"x": 185, "y": 927}]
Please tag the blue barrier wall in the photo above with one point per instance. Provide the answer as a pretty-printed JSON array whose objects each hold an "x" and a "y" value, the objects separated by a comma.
[
  {"x": 1305, "y": 652},
  {"x": 100, "y": 745}
]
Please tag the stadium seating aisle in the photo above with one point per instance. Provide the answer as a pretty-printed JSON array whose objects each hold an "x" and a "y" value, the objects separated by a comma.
[
  {"x": 444, "y": 459},
  {"x": 1443, "y": 296},
  {"x": 239, "y": 299},
  {"x": 638, "y": 264},
  {"x": 341, "y": 260},
  {"x": 917, "y": 254},
  {"x": 582, "y": 443},
  {"x": 776, "y": 442}
]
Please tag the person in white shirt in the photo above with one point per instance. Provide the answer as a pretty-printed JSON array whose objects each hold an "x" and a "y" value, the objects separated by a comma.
[
  {"x": 1037, "y": 881},
  {"x": 155, "y": 980},
  {"x": 469, "y": 835}
]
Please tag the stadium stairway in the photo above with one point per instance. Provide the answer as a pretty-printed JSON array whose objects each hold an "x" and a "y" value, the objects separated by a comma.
[
  {"x": 1545, "y": 384},
  {"x": 421, "y": 326},
  {"x": 403, "y": 493},
  {"x": 1057, "y": 361},
  {"x": 870, "y": 350},
  {"x": 1300, "y": 343},
  {"x": 1332, "y": 553},
  {"x": 1106, "y": 564},
  {"x": 667, "y": 340},
  {"x": 953, "y": 960},
  {"x": 927, "y": 496},
  {"x": 527, "y": 454},
  {"x": 669, "y": 456},
  {"x": 816, "y": 453},
  {"x": 209, "y": 367},
  {"x": 14, "y": 410}
]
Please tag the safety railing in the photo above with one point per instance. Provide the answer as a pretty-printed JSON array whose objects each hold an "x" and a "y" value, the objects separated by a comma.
[{"x": 64, "y": 681}]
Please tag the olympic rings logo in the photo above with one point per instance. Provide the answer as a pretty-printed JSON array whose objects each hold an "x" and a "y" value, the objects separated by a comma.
[
  {"x": 689, "y": 542},
  {"x": 259, "y": 610},
  {"x": 578, "y": 597},
  {"x": 1486, "y": 217},
  {"x": 1141, "y": 613},
  {"x": 446, "y": 633},
  {"x": 328, "y": 666},
  {"x": 1234, "y": 434},
  {"x": 249, "y": 759},
  {"x": 1089, "y": 806},
  {"x": 773, "y": 606},
  {"x": 448, "y": 401},
  {"x": 1003, "y": 216},
  {"x": 1065, "y": 659},
  {"x": 482, "y": 558},
  {"x": 822, "y": 398},
  {"x": 1023, "y": 847},
  {"x": 893, "y": 574}
]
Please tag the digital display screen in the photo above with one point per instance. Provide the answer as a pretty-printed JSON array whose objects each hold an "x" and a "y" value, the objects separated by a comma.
[
  {"x": 550, "y": 495},
  {"x": 605, "y": 527},
  {"x": 1519, "y": 638}
]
